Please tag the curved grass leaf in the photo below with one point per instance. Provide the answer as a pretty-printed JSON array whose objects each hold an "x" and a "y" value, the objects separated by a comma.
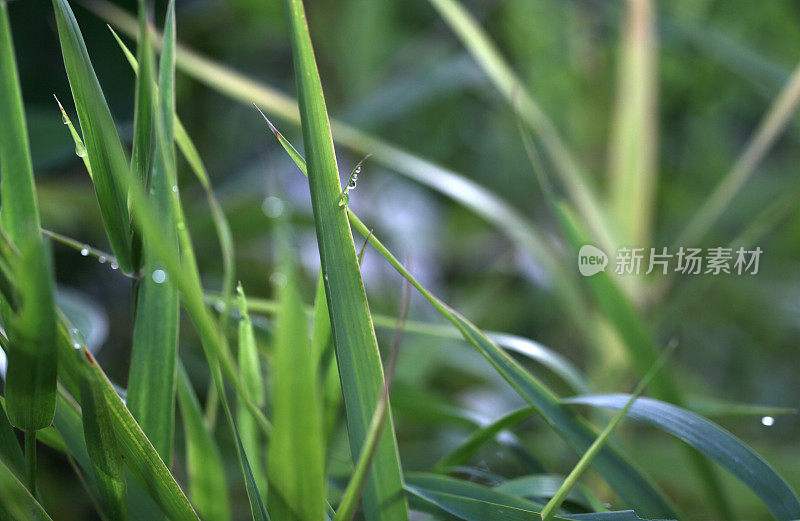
[
  {"x": 714, "y": 442},
  {"x": 353, "y": 334},
  {"x": 10, "y": 451},
  {"x": 204, "y": 465},
  {"x": 103, "y": 145},
  {"x": 101, "y": 443},
  {"x": 542, "y": 486}
]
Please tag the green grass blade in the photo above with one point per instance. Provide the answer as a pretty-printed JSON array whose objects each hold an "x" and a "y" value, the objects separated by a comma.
[
  {"x": 322, "y": 347},
  {"x": 586, "y": 459},
  {"x": 500, "y": 73},
  {"x": 10, "y": 451},
  {"x": 152, "y": 376},
  {"x": 296, "y": 459},
  {"x": 621, "y": 474},
  {"x": 714, "y": 442},
  {"x": 140, "y": 455},
  {"x": 544, "y": 486},
  {"x": 478, "y": 439},
  {"x": 30, "y": 386},
  {"x": 103, "y": 145},
  {"x": 632, "y": 151},
  {"x": 250, "y": 367},
  {"x": 20, "y": 215},
  {"x": 354, "y": 337},
  {"x": 772, "y": 125},
  {"x": 101, "y": 443},
  {"x": 204, "y": 464},
  {"x": 17, "y": 503}
]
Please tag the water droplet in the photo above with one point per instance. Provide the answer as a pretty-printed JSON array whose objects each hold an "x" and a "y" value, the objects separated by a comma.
[
  {"x": 65, "y": 119},
  {"x": 278, "y": 279},
  {"x": 80, "y": 150},
  {"x": 114, "y": 265},
  {"x": 85, "y": 252},
  {"x": 102, "y": 259},
  {"x": 272, "y": 207},
  {"x": 175, "y": 188},
  {"x": 219, "y": 306},
  {"x": 159, "y": 276},
  {"x": 768, "y": 421}
]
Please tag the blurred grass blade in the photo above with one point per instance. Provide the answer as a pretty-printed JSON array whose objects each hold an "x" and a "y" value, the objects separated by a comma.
[
  {"x": 101, "y": 443},
  {"x": 500, "y": 73},
  {"x": 296, "y": 458},
  {"x": 462, "y": 453},
  {"x": 152, "y": 374},
  {"x": 544, "y": 486},
  {"x": 586, "y": 459},
  {"x": 354, "y": 337},
  {"x": 204, "y": 464},
  {"x": 17, "y": 503},
  {"x": 714, "y": 442},
  {"x": 632, "y": 151},
  {"x": 250, "y": 368},
  {"x": 100, "y": 136},
  {"x": 20, "y": 215},
  {"x": 324, "y": 353},
  {"x": 774, "y": 122}
]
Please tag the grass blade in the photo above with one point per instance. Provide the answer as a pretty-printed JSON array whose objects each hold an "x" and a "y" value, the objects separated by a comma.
[
  {"x": 295, "y": 457},
  {"x": 101, "y": 443},
  {"x": 18, "y": 504},
  {"x": 103, "y": 145},
  {"x": 714, "y": 442},
  {"x": 632, "y": 149},
  {"x": 20, "y": 214},
  {"x": 205, "y": 468},
  {"x": 354, "y": 337},
  {"x": 628, "y": 481},
  {"x": 586, "y": 459},
  {"x": 152, "y": 376},
  {"x": 774, "y": 122},
  {"x": 250, "y": 368},
  {"x": 500, "y": 73},
  {"x": 10, "y": 451}
]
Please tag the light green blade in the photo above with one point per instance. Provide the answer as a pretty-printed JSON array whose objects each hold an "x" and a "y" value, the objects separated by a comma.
[
  {"x": 354, "y": 337},
  {"x": 633, "y": 146}
]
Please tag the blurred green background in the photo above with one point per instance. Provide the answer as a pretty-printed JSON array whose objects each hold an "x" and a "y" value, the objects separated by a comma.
[{"x": 395, "y": 69}]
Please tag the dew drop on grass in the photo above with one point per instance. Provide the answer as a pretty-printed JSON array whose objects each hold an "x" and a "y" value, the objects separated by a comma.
[
  {"x": 65, "y": 119},
  {"x": 102, "y": 259},
  {"x": 175, "y": 188},
  {"x": 80, "y": 150},
  {"x": 159, "y": 276},
  {"x": 272, "y": 207},
  {"x": 219, "y": 306},
  {"x": 768, "y": 421},
  {"x": 85, "y": 252},
  {"x": 114, "y": 265}
]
